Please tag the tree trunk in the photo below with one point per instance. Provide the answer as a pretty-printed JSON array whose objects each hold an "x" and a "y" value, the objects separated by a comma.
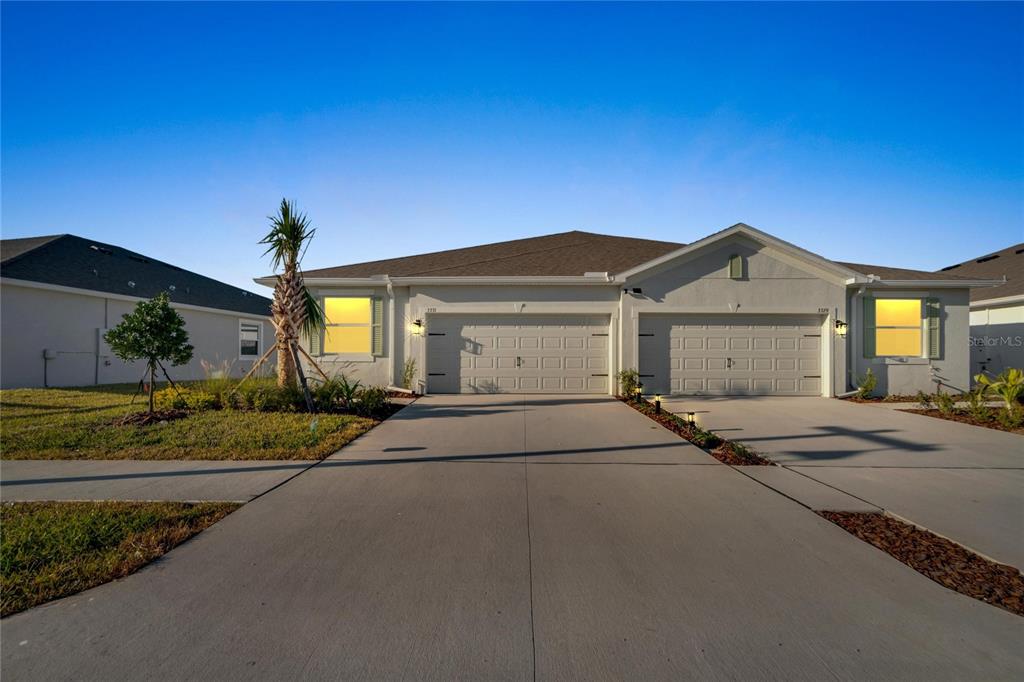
[
  {"x": 285, "y": 362},
  {"x": 152, "y": 379}
]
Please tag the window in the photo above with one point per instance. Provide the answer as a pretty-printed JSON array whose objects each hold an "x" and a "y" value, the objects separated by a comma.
[
  {"x": 736, "y": 267},
  {"x": 897, "y": 328},
  {"x": 352, "y": 325},
  {"x": 248, "y": 339}
]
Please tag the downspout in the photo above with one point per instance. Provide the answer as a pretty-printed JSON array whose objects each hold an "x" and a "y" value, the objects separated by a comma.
[{"x": 391, "y": 334}]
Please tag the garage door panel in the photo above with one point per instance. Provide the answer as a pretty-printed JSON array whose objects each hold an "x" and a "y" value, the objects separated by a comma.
[
  {"x": 541, "y": 354},
  {"x": 760, "y": 354}
]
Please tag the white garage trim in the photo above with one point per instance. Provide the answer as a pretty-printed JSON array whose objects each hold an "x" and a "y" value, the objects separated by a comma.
[{"x": 518, "y": 353}]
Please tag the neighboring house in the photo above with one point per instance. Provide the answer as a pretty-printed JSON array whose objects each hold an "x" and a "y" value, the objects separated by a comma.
[
  {"x": 59, "y": 294},
  {"x": 739, "y": 312},
  {"x": 997, "y": 313}
]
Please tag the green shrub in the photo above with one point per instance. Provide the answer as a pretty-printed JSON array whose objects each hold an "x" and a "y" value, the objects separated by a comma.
[
  {"x": 170, "y": 399},
  {"x": 976, "y": 407},
  {"x": 408, "y": 373},
  {"x": 866, "y": 385},
  {"x": 945, "y": 403},
  {"x": 372, "y": 402},
  {"x": 629, "y": 381},
  {"x": 1009, "y": 386},
  {"x": 184, "y": 398},
  {"x": 1011, "y": 418},
  {"x": 924, "y": 401},
  {"x": 705, "y": 439}
]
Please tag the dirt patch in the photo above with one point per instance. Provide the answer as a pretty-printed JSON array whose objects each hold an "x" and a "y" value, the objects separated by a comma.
[
  {"x": 147, "y": 418},
  {"x": 965, "y": 418},
  {"x": 935, "y": 557},
  {"x": 723, "y": 450}
]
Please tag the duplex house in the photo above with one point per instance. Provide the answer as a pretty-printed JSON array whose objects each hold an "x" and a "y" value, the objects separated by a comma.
[
  {"x": 997, "y": 313},
  {"x": 739, "y": 312},
  {"x": 59, "y": 294}
]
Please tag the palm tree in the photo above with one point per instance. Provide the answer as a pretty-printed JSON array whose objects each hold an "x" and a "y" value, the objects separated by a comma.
[{"x": 294, "y": 309}]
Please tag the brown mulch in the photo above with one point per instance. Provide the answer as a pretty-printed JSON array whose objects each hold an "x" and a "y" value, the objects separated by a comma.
[
  {"x": 147, "y": 418},
  {"x": 723, "y": 450},
  {"x": 964, "y": 418},
  {"x": 935, "y": 557},
  {"x": 894, "y": 398}
]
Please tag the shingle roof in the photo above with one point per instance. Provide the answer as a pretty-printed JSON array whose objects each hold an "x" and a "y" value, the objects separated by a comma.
[
  {"x": 886, "y": 272},
  {"x": 1009, "y": 263},
  {"x": 70, "y": 261},
  {"x": 563, "y": 254}
]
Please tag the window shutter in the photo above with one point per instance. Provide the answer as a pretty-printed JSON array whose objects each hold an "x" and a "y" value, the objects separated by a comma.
[
  {"x": 377, "y": 329},
  {"x": 869, "y": 327},
  {"x": 314, "y": 343},
  {"x": 932, "y": 319},
  {"x": 316, "y": 339}
]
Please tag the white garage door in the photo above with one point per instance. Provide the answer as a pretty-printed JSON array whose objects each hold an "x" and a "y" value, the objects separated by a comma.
[
  {"x": 731, "y": 355},
  {"x": 542, "y": 354}
]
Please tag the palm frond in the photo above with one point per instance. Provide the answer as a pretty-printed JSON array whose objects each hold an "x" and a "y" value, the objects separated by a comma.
[
  {"x": 315, "y": 319},
  {"x": 290, "y": 232}
]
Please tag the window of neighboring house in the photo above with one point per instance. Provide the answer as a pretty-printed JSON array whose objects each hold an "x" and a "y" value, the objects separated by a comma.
[
  {"x": 349, "y": 325},
  {"x": 248, "y": 340},
  {"x": 897, "y": 327}
]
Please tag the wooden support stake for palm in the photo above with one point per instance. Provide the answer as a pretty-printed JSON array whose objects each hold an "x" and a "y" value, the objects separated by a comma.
[
  {"x": 255, "y": 367},
  {"x": 302, "y": 377},
  {"x": 314, "y": 363}
]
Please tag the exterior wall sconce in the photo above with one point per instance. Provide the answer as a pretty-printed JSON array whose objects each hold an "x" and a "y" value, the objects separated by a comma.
[
  {"x": 841, "y": 328},
  {"x": 417, "y": 327}
]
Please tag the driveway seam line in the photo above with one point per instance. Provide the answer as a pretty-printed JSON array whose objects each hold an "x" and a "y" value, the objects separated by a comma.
[
  {"x": 529, "y": 542},
  {"x": 857, "y": 497}
]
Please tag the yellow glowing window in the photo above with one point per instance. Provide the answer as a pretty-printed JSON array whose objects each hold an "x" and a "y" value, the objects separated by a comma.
[
  {"x": 897, "y": 326},
  {"x": 349, "y": 325}
]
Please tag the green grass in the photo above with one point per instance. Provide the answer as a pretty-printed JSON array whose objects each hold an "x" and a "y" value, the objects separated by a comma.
[
  {"x": 50, "y": 550},
  {"x": 76, "y": 423}
]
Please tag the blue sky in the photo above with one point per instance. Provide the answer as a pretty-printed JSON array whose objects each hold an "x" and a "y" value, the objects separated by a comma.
[{"x": 880, "y": 133}]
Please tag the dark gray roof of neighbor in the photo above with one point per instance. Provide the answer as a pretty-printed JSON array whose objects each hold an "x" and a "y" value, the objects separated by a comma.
[
  {"x": 70, "y": 261},
  {"x": 564, "y": 254},
  {"x": 1007, "y": 263},
  {"x": 886, "y": 272}
]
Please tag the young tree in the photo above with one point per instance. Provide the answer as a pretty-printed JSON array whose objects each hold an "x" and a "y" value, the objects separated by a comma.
[
  {"x": 153, "y": 332},
  {"x": 294, "y": 308}
]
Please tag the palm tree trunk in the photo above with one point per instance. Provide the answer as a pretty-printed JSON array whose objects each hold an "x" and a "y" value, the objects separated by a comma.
[{"x": 285, "y": 361}]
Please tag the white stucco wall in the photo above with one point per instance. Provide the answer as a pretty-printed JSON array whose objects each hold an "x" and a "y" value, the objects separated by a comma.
[
  {"x": 997, "y": 337},
  {"x": 33, "y": 319}
]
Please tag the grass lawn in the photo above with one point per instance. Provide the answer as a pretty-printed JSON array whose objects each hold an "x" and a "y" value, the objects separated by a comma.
[
  {"x": 75, "y": 423},
  {"x": 50, "y": 550}
]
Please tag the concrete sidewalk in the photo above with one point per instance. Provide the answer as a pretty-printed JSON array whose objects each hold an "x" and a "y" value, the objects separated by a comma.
[{"x": 178, "y": 480}]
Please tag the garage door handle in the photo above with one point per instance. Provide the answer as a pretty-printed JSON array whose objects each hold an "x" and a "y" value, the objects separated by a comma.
[{"x": 519, "y": 361}]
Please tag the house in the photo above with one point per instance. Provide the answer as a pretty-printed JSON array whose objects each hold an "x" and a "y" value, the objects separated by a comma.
[
  {"x": 59, "y": 294},
  {"x": 739, "y": 312},
  {"x": 997, "y": 313}
]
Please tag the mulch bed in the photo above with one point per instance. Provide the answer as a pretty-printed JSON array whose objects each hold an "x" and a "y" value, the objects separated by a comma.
[
  {"x": 723, "y": 450},
  {"x": 895, "y": 398},
  {"x": 942, "y": 560},
  {"x": 147, "y": 418},
  {"x": 964, "y": 418}
]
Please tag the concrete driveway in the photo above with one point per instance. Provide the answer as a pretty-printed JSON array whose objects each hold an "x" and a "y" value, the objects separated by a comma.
[
  {"x": 961, "y": 481},
  {"x": 504, "y": 537}
]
